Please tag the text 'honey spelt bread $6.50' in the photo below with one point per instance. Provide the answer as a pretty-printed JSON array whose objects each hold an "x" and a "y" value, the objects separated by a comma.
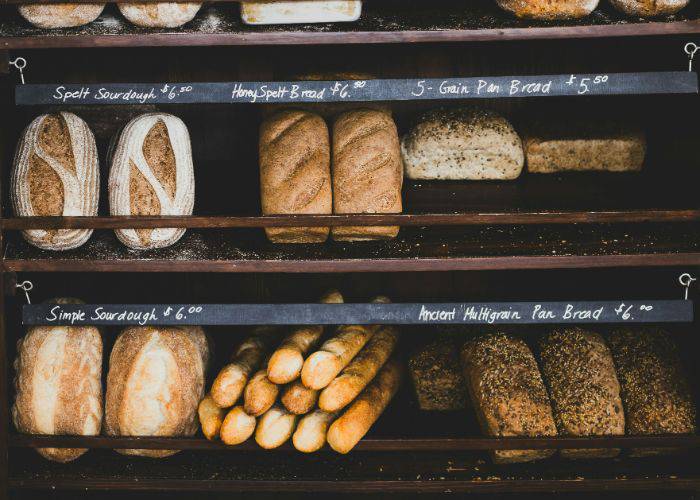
[
  {"x": 56, "y": 172},
  {"x": 58, "y": 382},
  {"x": 295, "y": 176},
  {"x": 508, "y": 393},
  {"x": 152, "y": 174}
]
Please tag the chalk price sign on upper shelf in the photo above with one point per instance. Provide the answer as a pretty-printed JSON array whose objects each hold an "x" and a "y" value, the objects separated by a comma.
[
  {"x": 674, "y": 82},
  {"x": 623, "y": 311}
]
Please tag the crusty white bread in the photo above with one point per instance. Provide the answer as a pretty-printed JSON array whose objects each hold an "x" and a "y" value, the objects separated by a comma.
[
  {"x": 299, "y": 399},
  {"x": 310, "y": 435},
  {"x": 237, "y": 427},
  {"x": 259, "y": 394},
  {"x": 210, "y": 417},
  {"x": 159, "y": 15},
  {"x": 275, "y": 428},
  {"x": 60, "y": 15}
]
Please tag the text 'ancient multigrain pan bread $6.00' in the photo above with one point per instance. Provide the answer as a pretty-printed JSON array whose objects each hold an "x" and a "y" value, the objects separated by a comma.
[
  {"x": 159, "y": 15},
  {"x": 62, "y": 15},
  {"x": 155, "y": 383},
  {"x": 649, "y": 8},
  {"x": 152, "y": 174},
  {"x": 56, "y": 172},
  {"x": 58, "y": 382},
  {"x": 462, "y": 144},
  {"x": 548, "y": 9}
]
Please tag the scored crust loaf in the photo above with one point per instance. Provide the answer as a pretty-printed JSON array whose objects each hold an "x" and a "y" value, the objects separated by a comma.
[
  {"x": 155, "y": 383},
  {"x": 508, "y": 393},
  {"x": 367, "y": 171},
  {"x": 579, "y": 372},
  {"x": 152, "y": 174},
  {"x": 64, "y": 15},
  {"x": 58, "y": 382},
  {"x": 655, "y": 391},
  {"x": 547, "y": 9},
  {"x": 56, "y": 172},
  {"x": 295, "y": 176},
  {"x": 462, "y": 143},
  {"x": 159, "y": 15},
  {"x": 649, "y": 8},
  {"x": 437, "y": 376}
]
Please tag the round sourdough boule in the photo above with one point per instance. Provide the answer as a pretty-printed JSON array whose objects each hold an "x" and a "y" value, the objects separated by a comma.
[
  {"x": 62, "y": 15},
  {"x": 547, "y": 9},
  {"x": 462, "y": 143},
  {"x": 649, "y": 8},
  {"x": 159, "y": 15}
]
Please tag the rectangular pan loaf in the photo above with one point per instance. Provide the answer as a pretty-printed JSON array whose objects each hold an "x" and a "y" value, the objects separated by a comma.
[{"x": 300, "y": 11}]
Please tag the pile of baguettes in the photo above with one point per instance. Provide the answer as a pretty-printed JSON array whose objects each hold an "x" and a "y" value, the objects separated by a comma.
[{"x": 308, "y": 388}]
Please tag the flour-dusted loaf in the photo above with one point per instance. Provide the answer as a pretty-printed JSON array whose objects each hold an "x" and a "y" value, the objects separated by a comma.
[
  {"x": 159, "y": 15},
  {"x": 508, "y": 393},
  {"x": 152, "y": 174},
  {"x": 58, "y": 383},
  {"x": 655, "y": 391},
  {"x": 558, "y": 146},
  {"x": 462, "y": 143},
  {"x": 579, "y": 371},
  {"x": 155, "y": 383},
  {"x": 62, "y": 15},
  {"x": 300, "y": 11},
  {"x": 548, "y": 9},
  {"x": 367, "y": 171},
  {"x": 56, "y": 172},
  {"x": 295, "y": 175},
  {"x": 649, "y": 8},
  {"x": 437, "y": 377}
]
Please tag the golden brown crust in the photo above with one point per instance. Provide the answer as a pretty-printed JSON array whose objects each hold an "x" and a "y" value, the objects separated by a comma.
[
  {"x": 159, "y": 15},
  {"x": 546, "y": 9},
  {"x": 64, "y": 15},
  {"x": 649, "y": 8},
  {"x": 299, "y": 399},
  {"x": 260, "y": 394},
  {"x": 210, "y": 417},
  {"x": 237, "y": 427}
]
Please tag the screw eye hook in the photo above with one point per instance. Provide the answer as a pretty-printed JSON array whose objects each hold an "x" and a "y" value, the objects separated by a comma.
[
  {"x": 686, "y": 280},
  {"x": 26, "y": 287},
  {"x": 20, "y": 63},
  {"x": 690, "y": 49}
]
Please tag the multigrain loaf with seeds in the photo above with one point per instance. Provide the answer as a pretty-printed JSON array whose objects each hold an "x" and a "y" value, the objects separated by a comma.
[
  {"x": 649, "y": 8},
  {"x": 159, "y": 15},
  {"x": 655, "y": 391},
  {"x": 548, "y": 9},
  {"x": 56, "y": 172},
  {"x": 62, "y": 15},
  {"x": 578, "y": 369},
  {"x": 462, "y": 144},
  {"x": 437, "y": 376},
  {"x": 507, "y": 393},
  {"x": 152, "y": 174}
]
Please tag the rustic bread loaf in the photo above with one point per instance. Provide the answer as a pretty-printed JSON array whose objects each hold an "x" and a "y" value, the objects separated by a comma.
[
  {"x": 62, "y": 15},
  {"x": 152, "y": 174},
  {"x": 555, "y": 146},
  {"x": 649, "y": 8},
  {"x": 579, "y": 372},
  {"x": 155, "y": 383},
  {"x": 56, "y": 172},
  {"x": 462, "y": 143},
  {"x": 159, "y": 15},
  {"x": 547, "y": 9},
  {"x": 507, "y": 392},
  {"x": 300, "y": 11},
  {"x": 655, "y": 391},
  {"x": 367, "y": 171},
  {"x": 295, "y": 175},
  {"x": 58, "y": 382},
  {"x": 437, "y": 377}
]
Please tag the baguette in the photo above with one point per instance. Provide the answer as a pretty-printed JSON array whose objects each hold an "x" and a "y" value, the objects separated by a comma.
[
  {"x": 299, "y": 399},
  {"x": 360, "y": 372},
  {"x": 347, "y": 431},
  {"x": 311, "y": 431},
  {"x": 260, "y": 394},
  {"x": 286, "y": 362},
  {"x": 324, "y": 365},
  {"x": 210, "y": 417},
  {"x": 275, "y": 428},
  {"x": 232, "y": 379},
  {"x": 237, "y": 427}
]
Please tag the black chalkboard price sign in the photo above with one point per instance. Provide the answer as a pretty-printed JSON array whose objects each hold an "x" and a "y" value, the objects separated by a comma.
[
  {"x": 622, "y": 311},
  {"x": 673, "y": 82}
]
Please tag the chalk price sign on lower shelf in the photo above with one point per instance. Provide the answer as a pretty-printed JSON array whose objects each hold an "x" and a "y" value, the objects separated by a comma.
[{"x": 623, "y": 311}]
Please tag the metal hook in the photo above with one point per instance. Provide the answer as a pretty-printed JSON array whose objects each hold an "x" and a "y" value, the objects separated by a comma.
[
  {"x": 26, "y": 287},
  {"x": 20, "y": 63},
  {"x": 686, "y": 280},
  {"x": 690, "y": 49}
]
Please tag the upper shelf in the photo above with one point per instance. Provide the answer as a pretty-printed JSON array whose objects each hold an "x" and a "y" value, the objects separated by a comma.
[{"x": 382, "y": 21}]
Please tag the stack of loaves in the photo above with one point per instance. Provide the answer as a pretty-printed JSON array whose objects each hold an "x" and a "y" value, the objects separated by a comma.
[
  {"x": 575, "y": 9},
  {"x": 307, "y": 388},
  {"x": 56, "y": 173}
]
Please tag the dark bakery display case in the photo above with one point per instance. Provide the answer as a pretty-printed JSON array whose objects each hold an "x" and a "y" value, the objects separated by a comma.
[{"x": 378, "y": 247}]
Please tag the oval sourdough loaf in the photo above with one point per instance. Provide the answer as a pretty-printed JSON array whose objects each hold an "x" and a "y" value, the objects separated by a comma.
[
  {"x": 58, "y": 382},
  {"x": 62, "y": 15},
  {"x": 56, "y": 172},
  {"x": 548, "y": 9},
  {"x": 462, "y": 143},
  {"x": 507, "y": 393},
  {"x": 295, "y": 175},
  {"x": 649, "y": 8},
  {"x": 155, "y": 383},
  {"x": 367, "y": 171},
  {"x": 159, "y": 15},
  {"x": 152, "y": 174},
  {"x": 579, "y": 372}
]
